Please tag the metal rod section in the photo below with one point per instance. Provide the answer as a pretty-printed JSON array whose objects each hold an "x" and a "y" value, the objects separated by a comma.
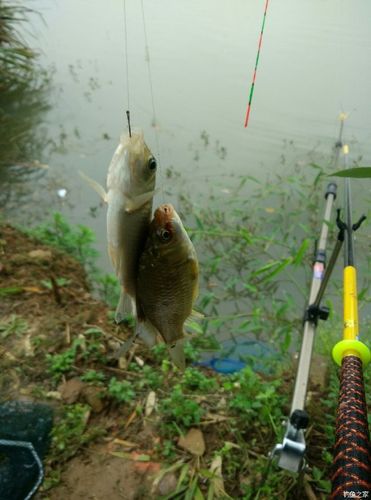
[
  {"x": 352, "y": 460},
  {"x": 302, "y": 376},
  {"x": 290, "y": 453}
]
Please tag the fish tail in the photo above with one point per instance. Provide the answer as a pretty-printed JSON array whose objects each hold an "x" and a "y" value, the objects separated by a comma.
[
  {"x": 125, "y": 347},
  {"x": 177, "y": 354},
  {"x": 125, "y": 307},
  {"x": 147, "y": 333}
]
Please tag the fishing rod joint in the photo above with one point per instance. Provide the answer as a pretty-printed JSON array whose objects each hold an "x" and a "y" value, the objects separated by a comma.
[
  {"x": 331, "y": 189},
  {"x": 358, "y": 224},
  {"x": 299, "y": 419},
  {"x": 343, "y": 227},
  {"x": 319, "y": 255},
  {"x": 348, "y": 347},
  {"x": 290, "y": 454},
  {"x": 313, "y": 313}
]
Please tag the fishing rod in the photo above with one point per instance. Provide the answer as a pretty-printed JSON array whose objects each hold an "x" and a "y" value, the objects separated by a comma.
[
  {"x": 290, "y": 453},
  {"x": 351, "y": 476}
]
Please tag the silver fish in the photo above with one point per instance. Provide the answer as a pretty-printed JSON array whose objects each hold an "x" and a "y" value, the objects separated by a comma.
[
  {"x": 167, "y": 283},
  {"x": 130, "y": 188}
]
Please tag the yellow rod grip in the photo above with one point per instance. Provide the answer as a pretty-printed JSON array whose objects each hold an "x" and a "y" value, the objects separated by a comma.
[{"x": 350, "y": 304}]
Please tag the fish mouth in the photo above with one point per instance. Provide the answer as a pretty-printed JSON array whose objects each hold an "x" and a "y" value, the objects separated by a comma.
[{"x": 163, "y": 214}]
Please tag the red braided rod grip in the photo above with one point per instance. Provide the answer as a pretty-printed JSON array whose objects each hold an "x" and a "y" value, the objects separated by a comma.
[{"x": 351, "y": 476}]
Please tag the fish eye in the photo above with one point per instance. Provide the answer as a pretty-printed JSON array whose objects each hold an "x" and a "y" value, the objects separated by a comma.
[
  {"x": 152, "y": 164},
  {"x": 165, "y": 235}
]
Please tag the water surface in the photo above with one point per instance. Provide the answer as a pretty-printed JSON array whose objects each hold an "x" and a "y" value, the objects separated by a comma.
[{"x": 314, "y": 63}]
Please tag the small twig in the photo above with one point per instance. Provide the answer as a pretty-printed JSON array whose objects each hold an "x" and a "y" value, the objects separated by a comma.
[
  {"x": 106, "y": 334},
  {"x": 308, "y": 489},
  {"x": 56, "y": 290},
  {"x": 122, "y": 372},
  {"x": 68, "y": 334}
]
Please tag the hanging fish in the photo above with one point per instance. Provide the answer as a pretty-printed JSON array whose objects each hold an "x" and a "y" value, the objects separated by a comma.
[
  {"x": 167, "y": 283},
  {"x": 130, "y": 188}
]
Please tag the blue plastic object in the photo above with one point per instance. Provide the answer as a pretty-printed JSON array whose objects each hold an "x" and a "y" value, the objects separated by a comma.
[
  {"x": 236, "y": 354},
  {"x": 225, "y": 365}
]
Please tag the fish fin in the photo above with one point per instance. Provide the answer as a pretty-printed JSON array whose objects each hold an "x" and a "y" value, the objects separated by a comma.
[
  {"x": 196, "y": 315},
  {"x": 125, "y": 307},
  {"x": 115, "y": 258},
  {"x": 147, "y": 332},
  {"x": 134, "y": 204},
  {"x": 194, "y": 276},
  {"x": 125, "y": 346},
  {"x": 176, "y": 352},
  {"x": 94, "y": 185}
]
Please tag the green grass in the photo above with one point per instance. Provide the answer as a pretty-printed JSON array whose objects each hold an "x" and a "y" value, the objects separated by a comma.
[
  {"x": 71, "y": 432},
  {"x": 121, "y": 391},
  {"x": 13, "y": 325},
  {"x": 180, "y": 410},
  {"x": 255, "y": 276}
]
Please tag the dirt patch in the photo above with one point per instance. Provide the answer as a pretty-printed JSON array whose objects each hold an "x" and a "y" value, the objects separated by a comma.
[
  {"x": 45, "y": 305},
  {"x": 98, "y": 476}
]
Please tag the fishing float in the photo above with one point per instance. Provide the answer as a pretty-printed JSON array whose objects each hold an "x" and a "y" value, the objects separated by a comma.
[{"x": 256, "y": 65}]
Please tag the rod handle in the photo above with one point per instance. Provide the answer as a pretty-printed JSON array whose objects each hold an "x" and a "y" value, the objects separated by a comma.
[{"x": 351, "y": 347}]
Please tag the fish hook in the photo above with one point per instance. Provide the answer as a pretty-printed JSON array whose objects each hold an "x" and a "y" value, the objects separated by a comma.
[{"x": 128, "y": 117}]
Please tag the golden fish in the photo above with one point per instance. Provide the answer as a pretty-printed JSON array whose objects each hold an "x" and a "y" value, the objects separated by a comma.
[{"x": 167, "y": 283}]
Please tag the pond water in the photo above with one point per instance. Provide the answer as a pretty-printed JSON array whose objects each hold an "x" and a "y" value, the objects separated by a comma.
[{"x": 314, "y": 64}]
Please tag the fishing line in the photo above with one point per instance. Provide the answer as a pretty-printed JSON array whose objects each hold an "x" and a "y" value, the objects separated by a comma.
[
  {"x": 127, "y": 68},
  {"x": 256, "y": 65},
  {"x": 150, "y": 80}
]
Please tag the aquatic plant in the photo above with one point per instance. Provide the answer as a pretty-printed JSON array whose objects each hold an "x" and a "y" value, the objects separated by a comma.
[
  {"x": 23, "y": 90},
  {"x": 255, "y": 250}
]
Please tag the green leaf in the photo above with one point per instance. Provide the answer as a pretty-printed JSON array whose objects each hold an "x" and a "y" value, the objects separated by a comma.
[
  {"x": 193, "y": 325},
  {"x": 10, "y": 290},
  {"x": 357, "y": 173},
  {"x": 245, "y": 235},
  {"x": 143, "y": 458},
  {"x": 121, "y": 454},
  {"x": 274, "y": 267},
  {"x": 301, "y": 252},
  {"x": 198, "y": 494},
  {"x": 182, "y": 476},
  {"x": 265, "y": 268}
]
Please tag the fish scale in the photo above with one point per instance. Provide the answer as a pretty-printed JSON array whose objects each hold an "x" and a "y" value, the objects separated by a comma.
[
  {"x": 134, "y": 228},
  {"x": 165, "y": 306},
  {"x": 167, "y": 279}
]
